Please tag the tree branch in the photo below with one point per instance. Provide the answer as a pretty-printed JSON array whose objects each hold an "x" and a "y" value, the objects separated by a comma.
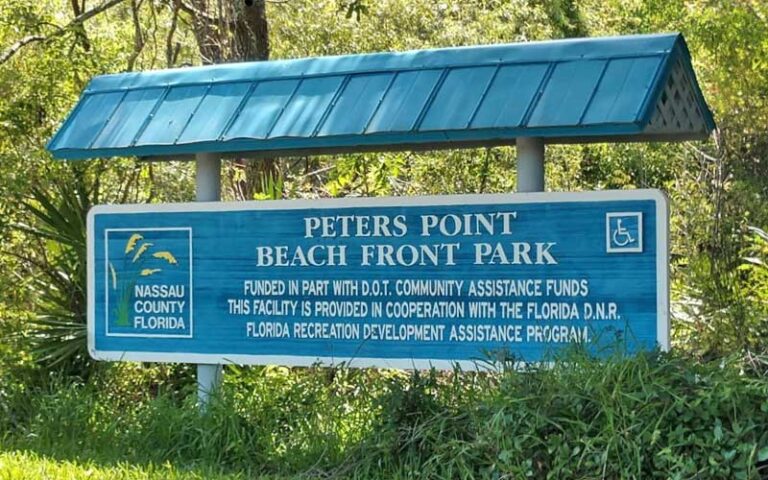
[
  {"x": 172, "y": 52},
  {"x": 11, "y": 51},
  {"x": 138, "y": 34},
  {"x": 78, "y": 20},
  {"x": 195, "y": 12}
]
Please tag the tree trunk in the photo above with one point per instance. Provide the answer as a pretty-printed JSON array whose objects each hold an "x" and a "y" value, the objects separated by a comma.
[
  {"x": 251, "y": 31},
  {"x": 251, "y": 43},
  {"x": 235, "y": 31}
]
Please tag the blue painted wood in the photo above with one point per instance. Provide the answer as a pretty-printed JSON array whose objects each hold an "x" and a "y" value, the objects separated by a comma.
[
  {"x": 128, "y": 118},
  {"x": 517, "y": 53},
  {"x": 93, "y": 113},
  {"x": 457, "y": 99},
  {"x": 262, "y": 109},
  {"x": 214, "y": 112},
  {"x": 509, "y": 96},
  {"x": 567, "y": 94},
  {"x": 356, "y": 105},
  {"x": 576, "y": 90},
  {"x": 621, "y": 92},
  {"x": 308, "y": 105},
  {"x": 404, "y": 102},
  {"x": 137, "y": 253},
  {"x": 172, "y": 115}
]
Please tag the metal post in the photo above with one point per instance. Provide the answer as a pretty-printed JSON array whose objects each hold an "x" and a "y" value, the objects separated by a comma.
[
  {"x": 530, "y": 165},
  {"x": 208, "y": 177},
  {"x": 207, "y": 189}
]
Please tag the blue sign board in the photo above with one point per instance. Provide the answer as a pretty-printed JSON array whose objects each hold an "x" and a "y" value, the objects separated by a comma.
[{"x": 389, "y": 282}]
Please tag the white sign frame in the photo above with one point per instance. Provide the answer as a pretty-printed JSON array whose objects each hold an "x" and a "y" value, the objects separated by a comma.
[{"x": 662, "y": 267}]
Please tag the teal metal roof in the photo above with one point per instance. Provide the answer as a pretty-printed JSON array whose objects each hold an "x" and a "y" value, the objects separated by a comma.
[{"x": 630, "y": 88}]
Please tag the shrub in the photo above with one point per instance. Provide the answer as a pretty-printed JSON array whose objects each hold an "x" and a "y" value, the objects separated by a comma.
[{"x": 650, "y": 416}]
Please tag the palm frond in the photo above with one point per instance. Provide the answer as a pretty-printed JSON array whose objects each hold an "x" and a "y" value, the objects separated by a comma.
[{"x": 56, "y": 219}]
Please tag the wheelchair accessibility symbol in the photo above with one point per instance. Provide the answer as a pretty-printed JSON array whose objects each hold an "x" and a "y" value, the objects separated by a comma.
[{"x": 624, "y": 232}]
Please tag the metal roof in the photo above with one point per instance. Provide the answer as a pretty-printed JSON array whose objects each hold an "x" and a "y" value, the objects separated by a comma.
[{"x": 629, "y": 88}]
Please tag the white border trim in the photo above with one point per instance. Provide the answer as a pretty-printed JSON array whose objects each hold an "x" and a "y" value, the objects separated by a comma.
[{"x": 662, "y": 266}]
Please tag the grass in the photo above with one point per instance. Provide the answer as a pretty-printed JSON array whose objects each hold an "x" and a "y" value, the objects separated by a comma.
[
  {"x": 16, "y": 465},
  {"x": 652, "y": 416}
]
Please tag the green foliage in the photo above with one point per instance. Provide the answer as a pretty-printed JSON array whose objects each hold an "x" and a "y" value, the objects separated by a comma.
[
  {"x": 57, "y": 262},
  {"x": 53, "y": 263},
  {"x": 28, "y": 465},
  {"x": 718, "y": 188},
  {"x": 271, "y": 186},
  {"x": 756, "y": 267},
  {"x": 668, "y": 416},
  {"x": 651, "y": 416}
]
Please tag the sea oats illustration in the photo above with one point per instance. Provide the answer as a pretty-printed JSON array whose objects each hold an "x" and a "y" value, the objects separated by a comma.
[
  {"x": 167, "y": 256},
  {"x": 143, "y": 248},
  {"x": 139, "y": 261},
  {"x": 132, "y": 242},
  {"x": 114, "y": 276}
]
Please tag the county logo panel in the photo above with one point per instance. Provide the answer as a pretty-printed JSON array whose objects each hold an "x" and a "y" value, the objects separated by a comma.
[{"x": 148, "y": 282}]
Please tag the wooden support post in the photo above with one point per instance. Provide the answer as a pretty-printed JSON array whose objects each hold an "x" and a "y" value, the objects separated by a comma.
[
  {"x": 207, "y": 189},
  {"x": 530, "y": 165}
]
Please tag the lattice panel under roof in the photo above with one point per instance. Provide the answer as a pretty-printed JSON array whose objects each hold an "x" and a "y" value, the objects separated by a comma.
[
  {"x": 677, "y": 110},
  {"x": 634, "y": 88}
]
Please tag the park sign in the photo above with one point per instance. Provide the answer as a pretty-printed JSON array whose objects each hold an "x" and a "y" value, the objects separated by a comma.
[
  {"x": 636, "y": 88},
  {"x": 388, "y": 282}
]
